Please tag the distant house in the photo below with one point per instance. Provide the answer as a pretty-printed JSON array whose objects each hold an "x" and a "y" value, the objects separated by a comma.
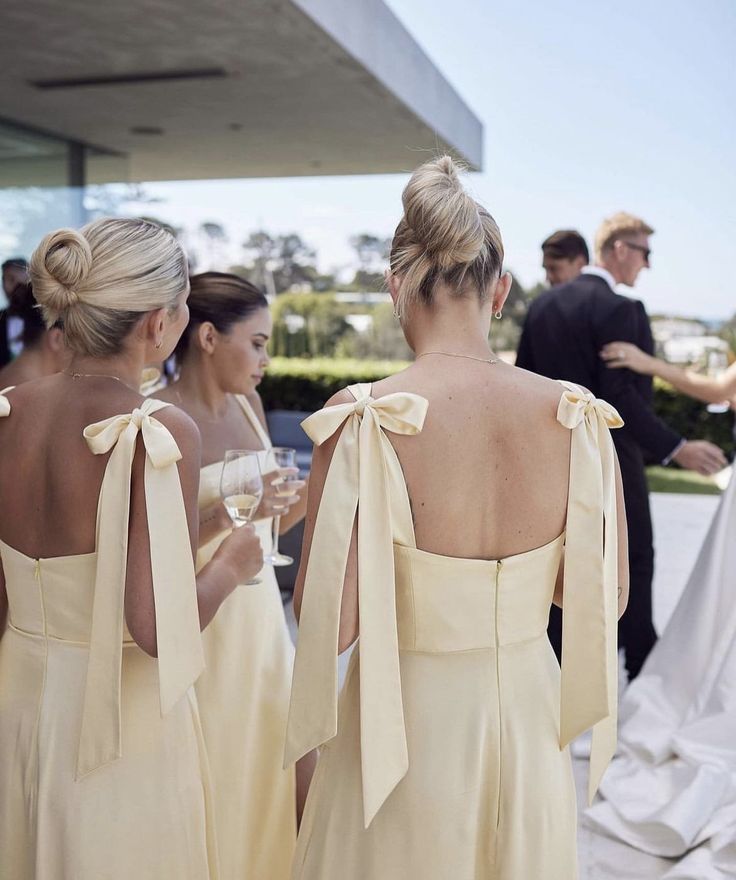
[{"x": 687, "y": 341}]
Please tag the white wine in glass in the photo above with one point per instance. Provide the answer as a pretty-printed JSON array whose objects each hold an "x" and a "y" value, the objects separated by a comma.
[
  {"x": 283, "y": 457},
  {"x": 241, "y": 487}
]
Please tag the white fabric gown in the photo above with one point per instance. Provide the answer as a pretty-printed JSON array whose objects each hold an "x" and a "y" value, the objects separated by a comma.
[{"x": 672, "y": 790}]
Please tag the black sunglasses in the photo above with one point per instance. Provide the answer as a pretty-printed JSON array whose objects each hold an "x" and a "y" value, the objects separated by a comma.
[{"x": 639, "y": 247}]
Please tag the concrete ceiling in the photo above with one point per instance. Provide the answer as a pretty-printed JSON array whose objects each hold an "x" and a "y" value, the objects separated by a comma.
[{"x": 285, "y": 87}]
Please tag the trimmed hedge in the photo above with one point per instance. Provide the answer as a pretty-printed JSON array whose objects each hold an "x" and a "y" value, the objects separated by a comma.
[
  {"x": 305, "y": 384},
  {"x": 691, "y": 418}
]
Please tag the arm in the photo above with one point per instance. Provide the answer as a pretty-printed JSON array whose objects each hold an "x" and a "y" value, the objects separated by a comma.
[
  {"x": 296, "y": 504},
  {"x": 349, "y": 606},
  {"x": 240, "y": 551},
  {"x": 623, "y": 552},
  {"x": 619, "y": 389},
  {"x": 623, "y": 543},
  {"x": 709, "y": 389},
  {"x": 3, "y": 601}
]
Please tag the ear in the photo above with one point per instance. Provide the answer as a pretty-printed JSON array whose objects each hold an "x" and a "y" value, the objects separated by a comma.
[
  {"x": 393, "y": 284},
  {"x": 206, "y": 337},
  {"x": 55, "y": 340},
  {"x": 501, "y": 292}
]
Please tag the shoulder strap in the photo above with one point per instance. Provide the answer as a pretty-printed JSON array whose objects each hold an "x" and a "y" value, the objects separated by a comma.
[
  {"x": 180, "y": 656},
  {"x": 255, "y": 422},
  {"x": 589, "y": 689},
  {"x": 357, "y": 471}
]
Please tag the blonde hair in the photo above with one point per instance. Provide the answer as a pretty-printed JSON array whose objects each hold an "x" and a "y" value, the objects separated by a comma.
[
  {"x": 98, "y": 281},
  {"x": 617, "y": 227},
  {"x": 444, "y": 236}
]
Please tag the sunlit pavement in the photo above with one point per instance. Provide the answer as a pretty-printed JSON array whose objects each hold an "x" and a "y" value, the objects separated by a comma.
[{"x": 680, "y": 524}]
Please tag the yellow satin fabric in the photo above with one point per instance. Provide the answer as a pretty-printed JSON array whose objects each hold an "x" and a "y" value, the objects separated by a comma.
[
  {"x": 4, "y": 402},
  {"x": 589, "y": 690},
  {"x": 180, "y": 656},
  {"x": 357, "y": 471}
]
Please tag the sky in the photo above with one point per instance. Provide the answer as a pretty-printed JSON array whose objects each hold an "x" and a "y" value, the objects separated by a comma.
[{"x": 587, "y": 108}]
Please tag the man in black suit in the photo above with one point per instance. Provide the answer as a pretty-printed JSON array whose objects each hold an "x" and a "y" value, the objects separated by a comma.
[
  {"x": 565, "y": 329},
  {"x": 15, "y": 276}
]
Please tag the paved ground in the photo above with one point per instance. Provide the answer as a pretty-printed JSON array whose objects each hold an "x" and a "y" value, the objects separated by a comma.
[{"x": 680, "y": 524}]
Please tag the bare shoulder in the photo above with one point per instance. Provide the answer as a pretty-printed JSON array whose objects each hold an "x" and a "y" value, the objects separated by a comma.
[
  {"x": 183, "y": 428},
  {"x": 340, "y": 397},
  {"x": 533, "y": 400}
]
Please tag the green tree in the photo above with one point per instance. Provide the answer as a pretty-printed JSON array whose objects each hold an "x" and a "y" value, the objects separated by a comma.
[{"x": 307, "y": 325}]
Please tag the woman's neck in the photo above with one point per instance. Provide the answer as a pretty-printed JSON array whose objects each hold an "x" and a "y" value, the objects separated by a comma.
[
  {"x": 127, "y": 367},
  {"x": 452, "y": 325},
  {"x": 199, "y": 388}
]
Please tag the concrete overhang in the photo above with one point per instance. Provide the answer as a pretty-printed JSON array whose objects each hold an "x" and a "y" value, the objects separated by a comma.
[{"x": 178, "y": 89}]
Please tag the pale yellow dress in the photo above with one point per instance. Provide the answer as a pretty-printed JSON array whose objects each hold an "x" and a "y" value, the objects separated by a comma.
[
  {"x": 103, "y": 773},
  {"x": 244, "y": 699},
  {"x": 446, "y": 756}
]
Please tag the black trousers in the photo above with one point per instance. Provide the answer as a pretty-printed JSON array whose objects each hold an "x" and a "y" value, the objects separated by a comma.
[{"x": 636, "y": 634}]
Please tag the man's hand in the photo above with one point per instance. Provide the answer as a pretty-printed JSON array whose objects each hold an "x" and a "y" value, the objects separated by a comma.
[{"x": 701, "y": 456}]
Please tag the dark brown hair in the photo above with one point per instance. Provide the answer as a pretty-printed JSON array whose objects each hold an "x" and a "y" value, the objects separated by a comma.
[
  {"x": 221, "y": 298},
  {"x": 565, "y": 244}
]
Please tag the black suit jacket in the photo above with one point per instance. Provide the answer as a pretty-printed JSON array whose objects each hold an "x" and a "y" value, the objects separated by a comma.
[
  {"x": 5, "y": 354},
  {"x": 564, "y": 331}
]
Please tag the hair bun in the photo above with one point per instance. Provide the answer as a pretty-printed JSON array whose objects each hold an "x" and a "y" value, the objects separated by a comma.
[
  {"x": 442, "y": 216},
  {"x": 59, "y": 266}
]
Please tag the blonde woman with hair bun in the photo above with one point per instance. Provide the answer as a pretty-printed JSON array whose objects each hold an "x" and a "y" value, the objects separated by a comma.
[
  {"x": 102, "y": 769},
  {"x": 443, "y": 501}
]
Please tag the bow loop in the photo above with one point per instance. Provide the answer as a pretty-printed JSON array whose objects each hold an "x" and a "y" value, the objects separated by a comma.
[
  {"x": 577, "y": 404},
  {"x": 4, "y": 402},
  {"x": 401, "y": 413},
  {"x": 160, "y": 445}
]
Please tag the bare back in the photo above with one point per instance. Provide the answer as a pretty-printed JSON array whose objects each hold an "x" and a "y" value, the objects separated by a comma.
[
  {"x": 488, "y": 474},
  {"x": 49, "y": 479}
]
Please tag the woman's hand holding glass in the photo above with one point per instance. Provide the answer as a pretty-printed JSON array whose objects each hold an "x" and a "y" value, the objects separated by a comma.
[
  {"x": 281, "y": 490},
  {"x": 241, "y": 489},
  {"x": 243, "y": 553}
]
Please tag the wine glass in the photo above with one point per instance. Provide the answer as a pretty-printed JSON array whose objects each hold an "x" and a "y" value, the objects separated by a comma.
[
  {"x": 283, "y": 457},
  {"x": 241, "y": 488}
]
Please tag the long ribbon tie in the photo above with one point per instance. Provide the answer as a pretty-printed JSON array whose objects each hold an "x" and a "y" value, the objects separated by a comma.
[
  {"x": 180, "y": 655},
  {"x": 590, "y": 587},
  {"x": 357, "y": 471}
]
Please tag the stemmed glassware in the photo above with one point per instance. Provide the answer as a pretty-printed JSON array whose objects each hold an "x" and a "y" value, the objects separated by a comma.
[
  {"x": 241, "y": 488},
  {"x": 283, "y": 457}
]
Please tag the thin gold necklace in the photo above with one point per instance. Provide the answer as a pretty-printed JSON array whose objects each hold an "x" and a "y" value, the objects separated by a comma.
[
  {"x": 469, "y": 357},
  {"x": 93, "y": 376}
]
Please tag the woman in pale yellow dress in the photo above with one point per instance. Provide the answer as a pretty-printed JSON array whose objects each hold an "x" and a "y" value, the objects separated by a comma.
[
  {"x": 244, "y": 692},
  {"x": 102, "y": 768},
  {"x": 446, "y": 756}
]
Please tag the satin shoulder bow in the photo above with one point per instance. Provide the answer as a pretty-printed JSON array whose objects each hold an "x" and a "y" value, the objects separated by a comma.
[
  {"x": 4, "y": 402},
  {"x": 180, "y": 656},
  {"x": 590, "y": 588},
  {"x": 357, "y": 473}
]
